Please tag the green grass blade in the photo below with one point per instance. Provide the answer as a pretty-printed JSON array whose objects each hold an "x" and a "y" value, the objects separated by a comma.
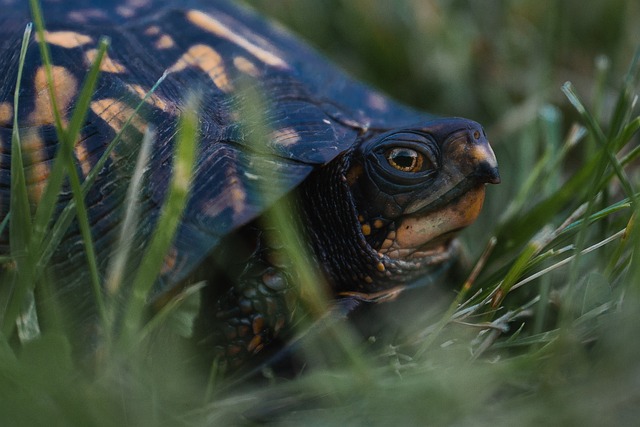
[
  {"x": 20, "y": 225},
  {"x": 20, "y": 213},
  {"x": 623, "y": 106},
  {"x": 67, "y": 145},
  {"x": 83, "y": 100},
  {"x": 167, "y": 225},
  {"x": 516, "y": 271},
  {"x": 85, "y": 230},
  {"x": 596, "y": 131},
  {"x": 606, "y": 146},
  {"x": 116, "y": 270},
  {"x": 38, "y": 20}
]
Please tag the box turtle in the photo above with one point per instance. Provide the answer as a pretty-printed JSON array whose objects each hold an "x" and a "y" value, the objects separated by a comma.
[{"x": 380, "y": 190}]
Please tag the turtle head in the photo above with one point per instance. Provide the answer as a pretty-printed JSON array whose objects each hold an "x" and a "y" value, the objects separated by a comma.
[{"x": 415, "y": 187}]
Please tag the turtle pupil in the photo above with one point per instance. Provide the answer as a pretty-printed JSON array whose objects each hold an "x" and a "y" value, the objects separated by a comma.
[{"x": 405, "y": 159}]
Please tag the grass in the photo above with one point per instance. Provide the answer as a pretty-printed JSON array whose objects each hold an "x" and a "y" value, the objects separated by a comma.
[{"x": 543, "y": 330}]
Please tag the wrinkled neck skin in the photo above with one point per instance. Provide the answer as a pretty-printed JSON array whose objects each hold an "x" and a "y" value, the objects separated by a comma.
[{"x": 353, "y": 262}]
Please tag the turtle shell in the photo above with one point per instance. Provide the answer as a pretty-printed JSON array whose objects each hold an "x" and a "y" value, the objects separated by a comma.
[{"x": 313, "y": 111}]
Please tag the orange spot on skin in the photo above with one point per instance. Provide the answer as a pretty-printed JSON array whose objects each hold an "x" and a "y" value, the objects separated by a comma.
[
  {"x": 65, "y": 89},
  {"x": 380, "y": 267},
  {"x": 66, "y": 39},
  {"x": 254, "y": 343},
  {"x": 247, "y": 67},
  {"x": 258, "y": 325},
  {"x": 378, "y": 223},
  {"x": 209, "y": 61},
  {"x": 6, "y": 113},
  {"x": 366, "y": 229},
  {"x": 165, "y": 42},
  {"x": 116, "y": 113},
  {"x": 108, "y": 65},
  {"x": 214, "y": 26}
]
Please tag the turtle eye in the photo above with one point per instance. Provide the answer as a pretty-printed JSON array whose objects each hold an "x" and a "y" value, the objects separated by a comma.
[{"x": 405, "y": 159}]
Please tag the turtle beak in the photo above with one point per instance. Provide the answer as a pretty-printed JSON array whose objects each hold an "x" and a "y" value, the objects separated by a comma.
[{"x": 482, "y": 158}]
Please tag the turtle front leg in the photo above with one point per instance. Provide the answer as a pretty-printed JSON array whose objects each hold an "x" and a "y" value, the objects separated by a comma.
[{"x": 247, "y": 307}]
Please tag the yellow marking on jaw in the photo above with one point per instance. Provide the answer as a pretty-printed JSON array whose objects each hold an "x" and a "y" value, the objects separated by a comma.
[
  {"x": 6, "y": 113},
  {"x": 380, "y": 267},
  {"x": 108, "y": 65},
  {"x": 65, "y": 89},
  {"x": 66, "y": 39},
  {"x": 165, "y": 42},
  {"x": 116, "y": 113},
  {"x": 154, "y": 100},
  {"x": 214, "y": 26},
  {"x": 246, "y": 66},
  {"x": 209, "y": 61},
  {"x": 420, "y": 234},
  {"x": 285, "y": 137}
]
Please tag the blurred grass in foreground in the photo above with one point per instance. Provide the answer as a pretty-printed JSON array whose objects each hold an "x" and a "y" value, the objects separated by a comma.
[{"x": 559, "y": 349}]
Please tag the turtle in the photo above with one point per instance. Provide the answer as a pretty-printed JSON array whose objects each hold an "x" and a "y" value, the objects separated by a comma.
[{"x": 377, "y": 190}]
